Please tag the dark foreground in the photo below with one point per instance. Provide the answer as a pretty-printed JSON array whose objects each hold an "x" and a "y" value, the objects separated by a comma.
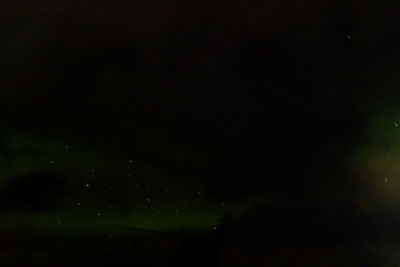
[{"x": 239, "y": 247}]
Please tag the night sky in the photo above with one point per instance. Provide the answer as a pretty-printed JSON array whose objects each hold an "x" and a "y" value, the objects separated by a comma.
[{"x": 200, "y": 133}]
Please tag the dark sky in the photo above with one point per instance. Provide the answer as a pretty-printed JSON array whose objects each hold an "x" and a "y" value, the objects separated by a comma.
[{"x": 278, "y": 115}]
